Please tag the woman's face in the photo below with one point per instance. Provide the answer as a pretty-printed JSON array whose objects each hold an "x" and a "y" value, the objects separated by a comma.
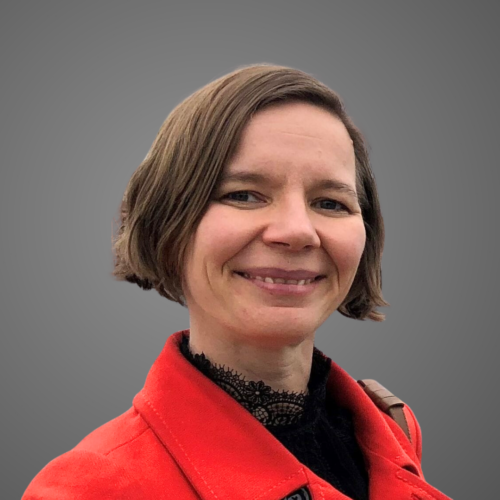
[{"x": 286, "y": 209}]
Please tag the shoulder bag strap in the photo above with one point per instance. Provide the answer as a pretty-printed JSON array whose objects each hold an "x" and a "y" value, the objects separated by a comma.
[{"x": 388, "y": 403}]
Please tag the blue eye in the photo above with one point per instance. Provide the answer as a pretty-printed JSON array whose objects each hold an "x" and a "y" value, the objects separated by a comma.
[
  {"x": 241, "y": 196},
  {"x": 332, "y": 204}
]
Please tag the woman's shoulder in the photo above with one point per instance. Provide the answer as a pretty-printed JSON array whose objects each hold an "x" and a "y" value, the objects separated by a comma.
[
  {"x": 83, "y": 474},
  {"x": 92, "y": 468},
  {"x": 399, "y": 416},
  {"x": 121, "y": 432},
  {"x": 114, "y": 461}
]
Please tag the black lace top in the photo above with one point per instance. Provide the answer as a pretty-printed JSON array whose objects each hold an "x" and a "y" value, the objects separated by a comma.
[{"x": 315, "y": 430}]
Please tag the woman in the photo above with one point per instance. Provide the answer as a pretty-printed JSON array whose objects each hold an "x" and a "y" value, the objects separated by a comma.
[{"x": 257, "y": 209}]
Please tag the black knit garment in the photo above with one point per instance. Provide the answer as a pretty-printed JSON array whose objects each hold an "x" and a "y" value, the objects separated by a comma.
[{"x": 315, "y": 430}]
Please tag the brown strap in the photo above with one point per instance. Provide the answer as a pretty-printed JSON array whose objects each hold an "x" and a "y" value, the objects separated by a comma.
[{"x": 387, "y": 402}]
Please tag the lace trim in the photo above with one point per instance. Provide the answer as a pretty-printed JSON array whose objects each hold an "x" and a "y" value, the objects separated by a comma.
[{"x": 271, "y": 408}]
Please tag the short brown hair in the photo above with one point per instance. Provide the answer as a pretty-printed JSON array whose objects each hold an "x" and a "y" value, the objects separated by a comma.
[{"x": 169, "y": 193}]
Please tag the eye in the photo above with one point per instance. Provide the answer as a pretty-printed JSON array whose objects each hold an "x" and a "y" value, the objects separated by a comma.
[
  {"x": 240, "y": 196},
  {"x": 333, "y": 205}
]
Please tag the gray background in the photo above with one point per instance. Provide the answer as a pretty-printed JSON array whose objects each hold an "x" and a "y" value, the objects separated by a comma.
[{"x": 85, "y": 88}]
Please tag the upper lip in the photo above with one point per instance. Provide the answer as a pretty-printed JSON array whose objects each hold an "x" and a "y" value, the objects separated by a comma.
[{"x": 274, "y": 272}]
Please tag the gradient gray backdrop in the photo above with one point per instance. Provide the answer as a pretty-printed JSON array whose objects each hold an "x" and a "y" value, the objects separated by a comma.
[{"x": 85, "y": 88}]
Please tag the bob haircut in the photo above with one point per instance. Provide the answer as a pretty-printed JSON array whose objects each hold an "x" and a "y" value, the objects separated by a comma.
[{"x": 169, "y": 193}]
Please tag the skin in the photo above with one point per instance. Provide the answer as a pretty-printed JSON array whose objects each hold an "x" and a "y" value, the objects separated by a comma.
[{"x": 286, "y": 222}]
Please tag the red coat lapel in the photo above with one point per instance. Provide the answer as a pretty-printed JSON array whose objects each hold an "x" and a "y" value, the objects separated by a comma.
[
  {"x": 227, "y": 458},
  {"x": 384, "y": 445}
]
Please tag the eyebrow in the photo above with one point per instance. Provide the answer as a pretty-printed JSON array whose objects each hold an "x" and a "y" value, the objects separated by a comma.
[{"x": 256, "y": 178}]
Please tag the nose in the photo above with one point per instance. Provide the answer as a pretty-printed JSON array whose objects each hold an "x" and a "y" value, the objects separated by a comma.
[{"x": 290, "y": 225}]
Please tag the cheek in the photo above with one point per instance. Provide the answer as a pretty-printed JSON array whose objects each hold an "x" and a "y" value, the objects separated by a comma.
[
  {"x": 346, "y": 248},
  {"x": 217, "y": 239}
]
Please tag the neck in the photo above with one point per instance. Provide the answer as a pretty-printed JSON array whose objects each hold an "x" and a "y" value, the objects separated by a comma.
[{"x": 282, "y": 366}]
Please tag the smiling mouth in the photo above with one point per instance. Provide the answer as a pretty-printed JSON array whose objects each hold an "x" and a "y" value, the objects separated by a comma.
[{"x": 267, "y": 279}]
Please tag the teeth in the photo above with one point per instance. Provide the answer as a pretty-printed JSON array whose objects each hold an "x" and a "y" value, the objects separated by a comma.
[{"x": 267, "y": 279}]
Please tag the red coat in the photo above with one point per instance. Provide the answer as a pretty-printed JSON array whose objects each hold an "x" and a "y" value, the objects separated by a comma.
[{"x": 185, "y": 438}]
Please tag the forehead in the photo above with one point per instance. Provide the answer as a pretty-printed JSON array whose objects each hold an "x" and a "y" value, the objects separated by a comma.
[{"x": 299, "y": 135}]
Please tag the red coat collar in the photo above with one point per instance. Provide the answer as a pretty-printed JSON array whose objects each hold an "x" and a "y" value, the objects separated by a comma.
[{"x": 226, "y": 453}]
